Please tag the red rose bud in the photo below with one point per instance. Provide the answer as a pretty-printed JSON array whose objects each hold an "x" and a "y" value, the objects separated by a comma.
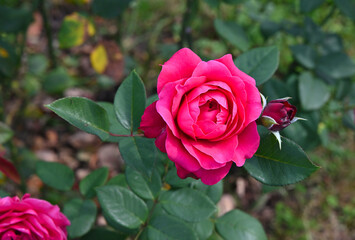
[{"x": 278, "y": 114}]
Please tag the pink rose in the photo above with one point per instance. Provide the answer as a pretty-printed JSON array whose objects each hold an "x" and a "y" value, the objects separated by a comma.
[
  {"x": 205, "y": 116},
  {"x": 31, "y": 219}
]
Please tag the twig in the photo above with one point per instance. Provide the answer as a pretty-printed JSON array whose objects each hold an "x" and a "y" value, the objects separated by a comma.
[{"x": 48, "y": 31}]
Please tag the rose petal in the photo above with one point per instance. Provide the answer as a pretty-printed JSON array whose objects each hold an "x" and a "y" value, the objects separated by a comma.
[
  {"x": 180, "y": 65},
  {"x": 253, "y": 106},
  {"x": 183, "y": 173},
  {"x": 178, "y": 154},
  {"x": 152, "y": 123},
  {"x": 206, "y": 161},
  {"x": 211, "y": 177},
  {"x": 164, "y": 105},
  {"x": 182, "y": 89},
  {"x": 222, "y": 151},
  {"x": 209, "y": 130},
  {"x": 249, "y": 141},
  {"x": 160, "y": 141},
  {"x": 227, "y": 60},
  {"x": 212, "y": 70}
]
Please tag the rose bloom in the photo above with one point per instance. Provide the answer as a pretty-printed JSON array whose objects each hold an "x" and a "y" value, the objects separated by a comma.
[
  {"x": 205, "y": 116},
  {"x": 31, "y": 219},
  {"x": 281, "y": 111}
]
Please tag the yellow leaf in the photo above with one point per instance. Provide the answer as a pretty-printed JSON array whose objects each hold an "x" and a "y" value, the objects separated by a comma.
[
  {"x": 91, "y": 29},
  {"x": 3, "y": 53},
  {"x": 98, "y": 58}
]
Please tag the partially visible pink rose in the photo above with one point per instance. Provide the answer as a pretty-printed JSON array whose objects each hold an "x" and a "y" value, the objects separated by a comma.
[
  {"x": 205, "y": 116},
  {"x": 31, "y": 219}
]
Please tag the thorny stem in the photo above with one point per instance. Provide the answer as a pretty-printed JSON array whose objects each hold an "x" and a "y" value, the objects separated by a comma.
[{"x": 48, "y": 33}]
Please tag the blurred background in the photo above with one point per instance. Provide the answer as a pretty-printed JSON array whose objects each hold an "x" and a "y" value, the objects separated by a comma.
[{"x": 56, "y": 48}]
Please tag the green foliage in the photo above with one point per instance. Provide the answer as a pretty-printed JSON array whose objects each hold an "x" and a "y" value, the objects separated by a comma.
[
  {"x": 5, "y": 133},
  {"x": 102, "y": 233},
  {"x": 233, "y": 33},
  {"x": 109, "y": 8},
  {"x": 313, "y": 92},
  {"x": 51, "y": 172},
  {"x": 188, "y": 204},
  {"x": 139, "y": 153},
  {"x": 347, "y": 7},
  {"x": 122, "y": 206},
  {"x": 259, "y": 63},
  {"x": 57, "y": 80},
  {"x": 82, "y": 216},
  {"x": 95, "y": 179},
  {"x": 144, "y": 187},
  {"x": 14, "y": 20},
  {"x": 274, "y": 166},
  {"x": 130, "y": 102},
  {"x": 83, "y": 114},
  {"x": 239, "y": 225},
  {"x": 168, "y": 227}
]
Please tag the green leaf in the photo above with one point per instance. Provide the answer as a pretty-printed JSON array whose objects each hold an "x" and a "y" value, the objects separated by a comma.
[
  {"x": 37, "y": 64},
  {"x": 275, "y": 89},
  {"x": 84, "y": 114},
  {"x": 349, "y": 119},
  {"x": 57, "y": 81},
  {"x": 347, "y": 7},
  {"x": 118, "y": 180},
  {"x": 165, "y": 227},
  {"x": 13, "y": 20},
  {"x": 173, "y": 179},
  {"x": 335, "y": 66},
  {"x": 55, "y": 175},
  {"x": 103, "y": 233},
  {"x": 214, "y": 192},
  {"x": 313, "y": 92},
  {"x": 305, "y": 133},
  {"x": 130, "y": 102},
  {"x": 310, "y": 5},
  {"x": 331, "y": 43},
  {"x": 5, "y": 133},
  {"x": 239, "y": 225},
  {"x": 304, "y": 54},
  {"x": 276, "y": 167},
  {"x": 139, "y": 153},
  {"x": 188, "y": 204},
  {"x": 122, "y": 206},
  {"x": 8, "y": 59},
  {"x": 233, "y": 1},
  {"x": 147, "y": 188},
  {"x": 115, "y": 126},
  {"x": 259, "y": 63},
  {"x": 233, "y": 33},
  {"x": 203, "y": 229},
  {"x": 109, "y": 8},
  {"x": 95, "y": 179},
  {"x": 269, "y": 28},
  {"x": 82, "y": 216}
]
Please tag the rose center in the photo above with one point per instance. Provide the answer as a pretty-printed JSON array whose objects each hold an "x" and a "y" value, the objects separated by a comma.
[{"x": 209, "y": 111}]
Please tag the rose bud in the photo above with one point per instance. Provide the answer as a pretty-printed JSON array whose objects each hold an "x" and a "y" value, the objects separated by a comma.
[{"x": 278, "y": 114}]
